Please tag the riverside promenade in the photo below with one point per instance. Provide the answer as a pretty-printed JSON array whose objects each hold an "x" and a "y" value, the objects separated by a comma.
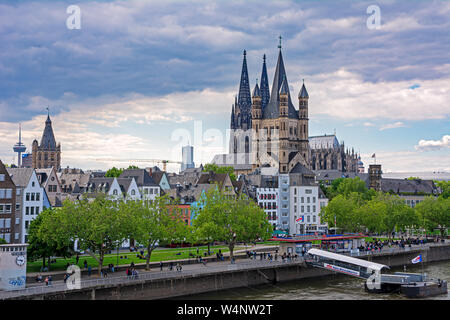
[{"x": 197, "y": 278}]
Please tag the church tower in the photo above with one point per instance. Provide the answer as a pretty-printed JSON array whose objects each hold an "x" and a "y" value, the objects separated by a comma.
[
  {"x": 241, "y": 117},
  {"x": 48, "y": 153},
  {"x": 303, "y": 129}
]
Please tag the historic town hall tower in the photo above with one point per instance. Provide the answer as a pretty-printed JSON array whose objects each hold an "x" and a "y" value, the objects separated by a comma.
[{"x": 48, "y": 153}]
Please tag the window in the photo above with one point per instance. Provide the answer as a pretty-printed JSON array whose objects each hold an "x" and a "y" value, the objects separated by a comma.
[
  {"x": 8, "y": 208},
  {"x": 308, "y": 219},
  {"x": 33, "y": 184},
  {"x": 38, "y": 196},
  {"x": 308, "y": 191},
  {"x": 314, "y": 208},
  {"x": 308, "y": 209},
  {"x": 115, "y": 192},
  {"x": 7, "y": 223},
  {"x": 17, "y": 220},
  {"x": 32, "y": 210},
  {"x": 133, "y": 192},
  {"x": 27, "y": 197},
  {"x": 17, "y": 207},
  {"x": 27, "y": 223},
  {"x": 18, "y": 192},
  {"x": 37, "y": 210},
  {"x": 295, "y": 190},
  {"x": 2, "y": 177},
  {"x": 314, "y": 199},
  {"x": 32, "y": 196},
  {"x": 314, "y": 218},
  {"x": 302, "y": 200},
  {"x": 295, "y": 209},
  {"x": 303, "y": 209},
  {"x": 27, "y": 211}
]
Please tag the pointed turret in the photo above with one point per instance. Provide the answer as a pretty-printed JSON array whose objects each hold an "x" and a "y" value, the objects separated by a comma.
[
  {"x": 244, "y": 99},
  {"x": 256, "y": 92},
  {"x": 284, "y": 87},
  {"x": 271, "y": 111},
  {"x": 48, "y": 141},
  {"x": 256, "y": 103},
  {"x": 265, "y": 94},
  {"x": 303, "y": 93}
]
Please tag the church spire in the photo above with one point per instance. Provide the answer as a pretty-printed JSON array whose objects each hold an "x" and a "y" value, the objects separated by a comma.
[
  {"x": 48, "y": 141},
  {"x": 271, "y": 111},
  {"x": 264, "y": 86},
  {"x": 244, "y": 98}
]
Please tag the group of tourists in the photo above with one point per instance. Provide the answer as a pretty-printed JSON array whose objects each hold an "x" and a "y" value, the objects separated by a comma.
[{"x": 132, "y": 273}]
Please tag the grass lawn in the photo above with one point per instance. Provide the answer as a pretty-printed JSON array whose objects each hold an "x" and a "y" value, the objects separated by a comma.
[{"x": 159, "y": 254}]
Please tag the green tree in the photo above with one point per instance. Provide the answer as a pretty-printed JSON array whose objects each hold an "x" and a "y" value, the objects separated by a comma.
[
  {"x": 445, "y": 188},
  {"x": 342, "y": 209},
  {"x": 159, "y": 222},
  {"x": 113, "y": 172},
  {"x": 345, "y": 186},
  {"x": 40, "y": 246},
  {"x": 372, "y": 215},
  {"x": 215, "y": 168},
  {"x": 398, "y": 215},
  {"x": 99, "y": 226},
  {"x": 434, "y": 213},
  {"x": 225, "y": 218},
  {"x": 3, "y": 241}
]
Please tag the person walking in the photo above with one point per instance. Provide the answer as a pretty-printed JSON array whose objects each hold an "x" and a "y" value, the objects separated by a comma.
[
  {"x": 77, "y": 258},
  {"x": 46, "y": 281},
  {"x": 89, "y": 271},
  {"x": 49, "y": 280},
  {"x": 85, "y": 264},
  {"x": 160, "y": 266}
]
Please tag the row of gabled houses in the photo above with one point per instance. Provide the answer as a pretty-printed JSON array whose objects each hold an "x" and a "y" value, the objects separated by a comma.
[{"x": 291, "y": 201}]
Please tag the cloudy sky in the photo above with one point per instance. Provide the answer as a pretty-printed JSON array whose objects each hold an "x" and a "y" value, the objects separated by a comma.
[{"x": 141, "y": 78}]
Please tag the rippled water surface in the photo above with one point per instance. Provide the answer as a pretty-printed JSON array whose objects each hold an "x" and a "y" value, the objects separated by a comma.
[{"x": 332, "y": 287}]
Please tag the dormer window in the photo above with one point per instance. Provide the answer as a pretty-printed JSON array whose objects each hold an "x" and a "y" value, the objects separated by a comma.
[{"x": 115, "y": 192}]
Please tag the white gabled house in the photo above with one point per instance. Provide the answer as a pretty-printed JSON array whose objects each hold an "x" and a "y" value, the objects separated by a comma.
[{"x": 31, "y": 199}]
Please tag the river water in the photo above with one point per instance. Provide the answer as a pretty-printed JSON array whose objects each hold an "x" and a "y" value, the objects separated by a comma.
[{"x": 333, "y": 287}]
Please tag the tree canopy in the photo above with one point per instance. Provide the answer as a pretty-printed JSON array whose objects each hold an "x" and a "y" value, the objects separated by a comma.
[
  {"x": 215, "y": 168},
  {"x": 230, "y": 219}
]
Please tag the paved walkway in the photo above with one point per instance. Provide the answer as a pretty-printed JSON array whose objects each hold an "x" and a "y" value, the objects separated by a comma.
[{"x": 154, "y": 267}]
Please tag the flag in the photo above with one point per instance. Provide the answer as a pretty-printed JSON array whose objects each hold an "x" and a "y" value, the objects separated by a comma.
[
  {"x": 373, "y": 156},
  {"x": 300, "y": 219},
  {"x": 417, "y": 259}
]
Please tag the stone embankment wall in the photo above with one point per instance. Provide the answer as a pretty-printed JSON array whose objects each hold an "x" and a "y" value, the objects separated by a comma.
[{"x": 207, "y": 282}]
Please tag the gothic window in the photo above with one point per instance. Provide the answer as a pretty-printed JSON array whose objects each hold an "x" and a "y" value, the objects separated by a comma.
[{"x": 247, "y": 147}]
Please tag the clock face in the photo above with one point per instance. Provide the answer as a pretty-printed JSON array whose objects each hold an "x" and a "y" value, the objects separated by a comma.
[{"x": 20, "y": 260}]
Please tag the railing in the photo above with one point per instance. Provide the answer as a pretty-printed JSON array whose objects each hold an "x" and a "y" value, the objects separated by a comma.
[{"x": 145, "y": 276}]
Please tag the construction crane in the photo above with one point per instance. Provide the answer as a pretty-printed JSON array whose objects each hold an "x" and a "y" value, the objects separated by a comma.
[{"x": 158, "y": 161}]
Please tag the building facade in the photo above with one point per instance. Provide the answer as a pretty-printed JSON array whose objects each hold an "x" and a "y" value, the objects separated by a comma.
[
  {"x": 7, "y": 206},
  {"x": 328, "y": 154},
  {"x": 31, "y": 199}
]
